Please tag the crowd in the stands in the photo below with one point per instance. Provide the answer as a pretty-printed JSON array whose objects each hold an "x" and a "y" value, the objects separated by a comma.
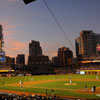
[
  {"x": 6, "y": 96},
  {"x": 90, "y": 67}
]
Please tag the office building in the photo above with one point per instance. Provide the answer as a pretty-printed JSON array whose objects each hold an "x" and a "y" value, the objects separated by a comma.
[
  {"x": 20, "y": 62},
  {"x": 55, "y": 61},
  {"x": 1, "y": 38},
  {"x": 10, "y": 62},
  {"x": 2, "y": 53},
  {"x": 13, "y": 63},
  {"x": 1, "y": 35},
  {"x": 63, "y": 55},
  {"x": 34, "y": 49},
  {"x": 86, "y": 43},
  {"x": 37, "y": 62}
]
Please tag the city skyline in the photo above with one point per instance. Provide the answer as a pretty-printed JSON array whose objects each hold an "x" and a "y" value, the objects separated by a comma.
[{"x": 22, "y": 23}]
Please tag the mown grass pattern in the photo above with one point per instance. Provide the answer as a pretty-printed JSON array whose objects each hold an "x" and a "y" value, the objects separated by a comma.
[{"x": 52, "y": 85}]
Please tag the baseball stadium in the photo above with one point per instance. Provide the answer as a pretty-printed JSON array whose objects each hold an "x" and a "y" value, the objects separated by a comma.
[
  {"x": 65, "y": 77},
  {"x": 53, "y": 85}
]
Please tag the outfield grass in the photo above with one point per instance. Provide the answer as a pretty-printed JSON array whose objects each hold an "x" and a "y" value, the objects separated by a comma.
[{"x": 57, "y": 85}]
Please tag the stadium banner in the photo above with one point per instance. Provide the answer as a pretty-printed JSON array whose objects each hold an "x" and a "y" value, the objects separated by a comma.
[
  {"x": 6, "y": 70},
  {"x": 2, "y": 56}
]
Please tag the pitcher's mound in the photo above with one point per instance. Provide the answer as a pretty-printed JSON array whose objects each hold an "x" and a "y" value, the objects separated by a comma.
[{"x": 70, "y": 84}]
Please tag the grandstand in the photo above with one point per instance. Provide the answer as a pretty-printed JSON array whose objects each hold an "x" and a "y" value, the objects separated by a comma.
[
  {"x": 6, "y": 71},
  {"x": 90, "y": 66},
  {"x": 9, "y": 96}
]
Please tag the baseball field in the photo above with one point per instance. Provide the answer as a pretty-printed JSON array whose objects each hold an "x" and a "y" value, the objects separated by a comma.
[{"x": 71, "y": 85}]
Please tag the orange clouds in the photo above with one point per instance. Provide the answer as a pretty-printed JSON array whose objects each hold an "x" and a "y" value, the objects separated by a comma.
[
  {"x": 8, "y": 33},
  {"x": 16, "y": 45},
  {"x": 52, "y": 54},
  {"x": 13, "y": 48},
  {"x": 7, "y": 24},
  {"x": 7, "y": 28},
  {"x": 49, "y": 49}
]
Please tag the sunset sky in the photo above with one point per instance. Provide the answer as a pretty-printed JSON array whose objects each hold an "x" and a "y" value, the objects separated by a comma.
[{"x": 22, "y": 23}]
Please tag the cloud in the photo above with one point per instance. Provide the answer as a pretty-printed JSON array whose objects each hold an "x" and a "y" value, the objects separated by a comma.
[
  {"x": 13, "y": 48},
  {"x": 9, "y": 1},
  {"x": 52, "y": 54},
  {"x": 8, "y": 33},
  {"x": 49, "y": 48},
  {"x": 16, "y": 45},
  {"x": 7, "y": 24},
  {"x": 7, "y": 27}
]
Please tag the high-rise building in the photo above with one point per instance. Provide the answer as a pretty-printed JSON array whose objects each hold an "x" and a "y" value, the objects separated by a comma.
[
  {"x": 55, "y": 61},
  {"x": 86, "y": 43},
  {"x": 20, "y": 62},
  {"x": 13, "y": 63},
  {"x": 37, "y": 62},
  {"x": 2, "y": 53},
  {"x": 63, "y": 55},
  {"x": 34, "y": 48},
  {"x": 10, "y": 62},
  {"x": 1, "y": 38},
  {"x": 1, "y": 35}
]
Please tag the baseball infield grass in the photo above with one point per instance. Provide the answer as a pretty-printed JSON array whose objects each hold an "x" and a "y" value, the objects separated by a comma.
[{"x": 57, "y": 83}]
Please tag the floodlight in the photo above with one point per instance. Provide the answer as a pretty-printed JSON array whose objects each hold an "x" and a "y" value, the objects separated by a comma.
[{"x": 28, "y": 1}]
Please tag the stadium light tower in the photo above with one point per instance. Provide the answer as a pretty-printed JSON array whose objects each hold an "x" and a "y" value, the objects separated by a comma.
[{"x": 28, "y": 1}]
